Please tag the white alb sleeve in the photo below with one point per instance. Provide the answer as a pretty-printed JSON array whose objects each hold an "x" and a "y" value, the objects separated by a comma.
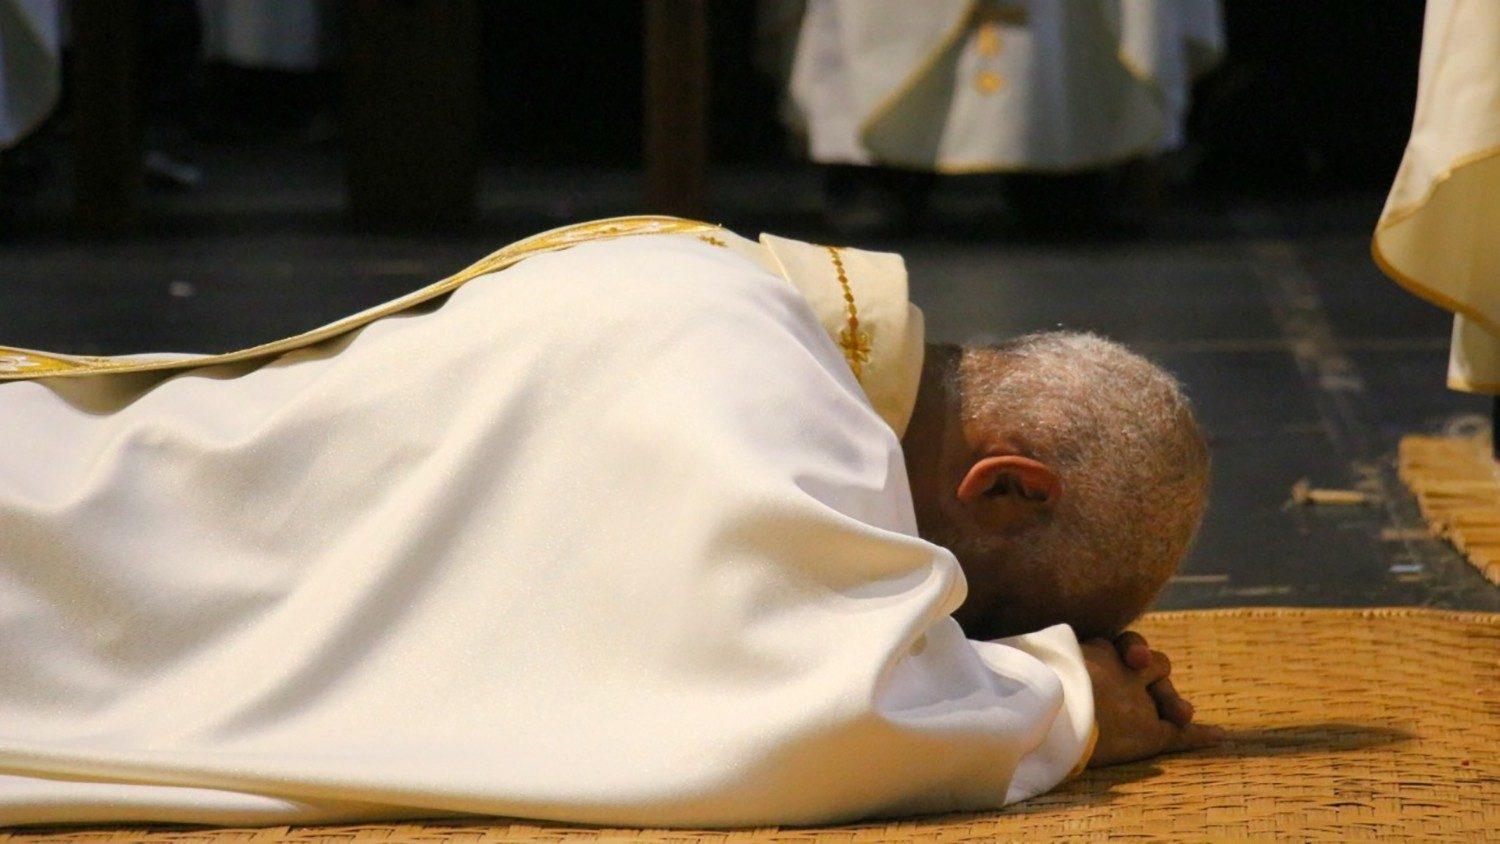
[{"x": 1068, "y": 744}]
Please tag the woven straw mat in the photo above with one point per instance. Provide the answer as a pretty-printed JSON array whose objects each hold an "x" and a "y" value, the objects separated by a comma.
[
  {"x": 1457, "y": 487},
  {"x": 1379, "y": 724}
]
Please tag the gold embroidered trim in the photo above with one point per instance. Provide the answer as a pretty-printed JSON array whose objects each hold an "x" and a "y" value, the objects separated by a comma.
[
  {"x": 988, "y": 39},
  {"x": 989, "y": 43},
  {"x": 29, "y": 364},
  {"x": 854, "y": 340},
  {"x": 1088, "y": 753},
  {"x": 20, "y": 364}
]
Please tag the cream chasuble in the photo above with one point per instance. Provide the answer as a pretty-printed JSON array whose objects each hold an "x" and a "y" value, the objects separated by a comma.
[
  {"x": 1438, "y": 234},
  {"x": 612, "y": 534},
  {"x": 976, "y": 85}
]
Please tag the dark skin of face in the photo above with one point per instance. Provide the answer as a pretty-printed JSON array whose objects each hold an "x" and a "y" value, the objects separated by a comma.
[{"x": 987, "y": 482}]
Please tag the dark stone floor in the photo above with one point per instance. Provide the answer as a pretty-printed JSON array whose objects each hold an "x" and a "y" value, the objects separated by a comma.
[{"x": 1304, "y": 360}]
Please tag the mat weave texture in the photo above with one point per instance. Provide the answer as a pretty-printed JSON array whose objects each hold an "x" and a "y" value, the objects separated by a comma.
[
  {"x": 1345, "y": 725},
  {"x": 1457, "y": 485}
]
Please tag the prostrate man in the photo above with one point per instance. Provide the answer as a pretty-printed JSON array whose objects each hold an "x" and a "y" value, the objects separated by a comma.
[{"x": 618, "y": 532}]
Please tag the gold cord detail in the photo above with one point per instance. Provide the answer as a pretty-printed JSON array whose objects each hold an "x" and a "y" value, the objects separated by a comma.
[{"x": 853, "y": 340}]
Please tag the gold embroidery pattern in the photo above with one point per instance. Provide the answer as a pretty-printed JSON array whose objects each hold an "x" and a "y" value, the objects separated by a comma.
[
  {"x": 988, "y": 42},
  {"x": 854, "y": 340},
  {"x": 21, "y": 363},
  {"x": 989, "y": 39},
  {"x": 17, "y": 364},
  {"x": 712, "y": 241},
  {"x": 17, "y": 361}
]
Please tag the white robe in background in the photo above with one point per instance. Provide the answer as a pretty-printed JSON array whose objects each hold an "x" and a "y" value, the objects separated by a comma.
[
  {"x": 1439, "y": 235},
  {"x": 613, "y": 534},
  {"x": 30, "y": 73},
  {"x": 280, "y": 35},
  {"x": 985, "y": 85}
]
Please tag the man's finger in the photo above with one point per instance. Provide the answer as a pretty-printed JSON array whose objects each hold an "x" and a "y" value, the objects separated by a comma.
[
  {"x": 1170, "y": 704},
  {"x": 1196, "y": 737},
  {"x": 1156, "y": 669},
  {"x": 1133, "y": 649}
]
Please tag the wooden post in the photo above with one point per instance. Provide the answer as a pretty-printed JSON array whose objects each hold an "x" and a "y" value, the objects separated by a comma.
[
  {"x": 411, "y": 101},
  {"x": 676, "y": 106},
  {"x": 106, "y": 129}
]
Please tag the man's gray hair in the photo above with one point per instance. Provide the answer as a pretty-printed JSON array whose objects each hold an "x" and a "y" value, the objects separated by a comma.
[{"x": 1133, "y": 463}]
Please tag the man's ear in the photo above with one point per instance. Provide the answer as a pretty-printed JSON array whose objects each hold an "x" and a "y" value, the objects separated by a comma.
[{"x": 1009, "y": 492}]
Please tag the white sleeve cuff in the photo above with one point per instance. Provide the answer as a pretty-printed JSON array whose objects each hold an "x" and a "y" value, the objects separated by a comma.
[{"x": 1068, "y": 743}]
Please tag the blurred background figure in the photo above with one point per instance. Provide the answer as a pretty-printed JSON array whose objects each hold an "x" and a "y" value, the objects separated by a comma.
[
  {"x": 30, "y": 44},
  {"x": 189, "y": 61},
  {"x": 892, "y": 92},
  {"x": 254, "y": 34},
  {"x": 226, "y": 68},
  {"x": 265, "y": 65},
  {"x": 1438, "y": 233},
  {"x": 30, "y": 74}
]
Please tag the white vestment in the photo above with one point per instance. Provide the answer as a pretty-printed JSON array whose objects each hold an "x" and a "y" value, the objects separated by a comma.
[
  {"x": 613, "y": 534},
  {"x": 1438, "y": 233},
  {"x": 981, "y": 85},
  {"x": 30, "y": 76}
]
